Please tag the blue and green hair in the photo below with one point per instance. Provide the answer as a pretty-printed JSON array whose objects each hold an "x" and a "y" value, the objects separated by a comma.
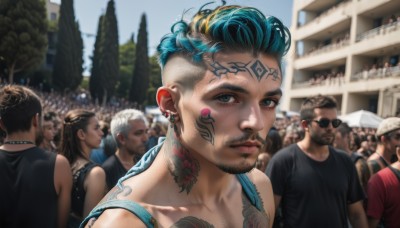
[{"x": 234, "y": 28}]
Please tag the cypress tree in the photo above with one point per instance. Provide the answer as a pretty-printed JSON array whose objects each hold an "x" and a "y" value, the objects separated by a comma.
[
  {"x": 23, "y": 35},
  {"x": 68, "y": 69},
  {"x": 126, "y": 61},
  {"x": 94, "y": 81},
  {"x": 78, "y": 57},
  {"x": 109, "y": 57},
  {"x": 140, "y": 77}
]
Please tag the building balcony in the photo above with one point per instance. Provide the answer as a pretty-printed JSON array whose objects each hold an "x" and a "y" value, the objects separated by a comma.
[
  {"x": 379, "y": 31},
  {"x": 380, "y": 73},
  {"x": 315, "y": 5},
  {"x": 374, "y": 8},
  {"x": 332, "y": 21},
  {"x": 326, "y": 48}
]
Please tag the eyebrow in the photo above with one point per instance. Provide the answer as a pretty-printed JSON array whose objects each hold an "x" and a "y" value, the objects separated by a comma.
[{"x": 276, "y": 92}]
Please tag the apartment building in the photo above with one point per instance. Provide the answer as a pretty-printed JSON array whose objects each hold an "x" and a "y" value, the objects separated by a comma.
[{"x": 349, "y": 49}]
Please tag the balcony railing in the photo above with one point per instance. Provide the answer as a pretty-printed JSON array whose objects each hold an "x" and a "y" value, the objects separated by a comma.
[
  {"x": 336, "y": 81},
  {"x": 326, "y": 13},
  {"x": 377, "y": 73},
  {"x": 327, "y": 48},
  {"x": 381, "y": 30}
]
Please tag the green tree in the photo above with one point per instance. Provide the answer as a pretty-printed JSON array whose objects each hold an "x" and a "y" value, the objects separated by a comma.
[
  {"x": 155, "y": 81},
  {"x": 23, "y": 35},
  {"x": 126, "y": 61},
  {"x": 140, "y": 77},
  {"x": 95, "y": 89},
  {"x": 109, "y": 57},
  {"x": 67, "y": 72}
]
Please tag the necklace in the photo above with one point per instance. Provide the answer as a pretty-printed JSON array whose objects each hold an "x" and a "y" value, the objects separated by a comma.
[{"x": 18, "y": 142}]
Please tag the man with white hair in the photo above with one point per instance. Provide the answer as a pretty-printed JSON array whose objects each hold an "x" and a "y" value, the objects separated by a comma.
[{"x": 129, "y": 129}]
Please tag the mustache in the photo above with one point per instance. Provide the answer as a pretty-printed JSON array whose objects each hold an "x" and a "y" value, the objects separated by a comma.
[{"x": 246, "y": 137}]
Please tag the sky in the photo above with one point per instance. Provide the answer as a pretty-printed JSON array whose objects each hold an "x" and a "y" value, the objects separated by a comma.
[{"x": 161, "y": 14}]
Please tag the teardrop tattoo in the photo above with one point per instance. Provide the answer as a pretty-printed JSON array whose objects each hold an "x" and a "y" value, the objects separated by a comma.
[{"x": 205, "y": 125}]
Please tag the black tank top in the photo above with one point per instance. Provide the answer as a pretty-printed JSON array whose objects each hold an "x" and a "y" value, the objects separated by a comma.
[
  {"x": 78, "y": 193},
  {"x": 27, "y": 194}
]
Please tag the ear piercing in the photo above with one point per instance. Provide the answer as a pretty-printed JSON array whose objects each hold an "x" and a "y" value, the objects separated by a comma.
[{"x": 171, "y": 118}]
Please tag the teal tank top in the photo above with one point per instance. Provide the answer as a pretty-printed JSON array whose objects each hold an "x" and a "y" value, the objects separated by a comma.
[{"x": 147, "y": 159}]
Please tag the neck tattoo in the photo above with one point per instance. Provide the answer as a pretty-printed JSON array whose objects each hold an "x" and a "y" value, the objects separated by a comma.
[{"x": 18, "y": 142}]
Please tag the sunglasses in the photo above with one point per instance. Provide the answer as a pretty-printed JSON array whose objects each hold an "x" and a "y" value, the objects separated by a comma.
[{"x": 324, "y": 122}]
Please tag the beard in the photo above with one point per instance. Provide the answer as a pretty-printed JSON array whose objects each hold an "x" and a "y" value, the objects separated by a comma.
[
  {"x": 236, "y": 169},
  {"x": 321, "y": 139}
]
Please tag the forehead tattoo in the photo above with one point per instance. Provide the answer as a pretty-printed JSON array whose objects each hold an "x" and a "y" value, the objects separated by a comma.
[{"x": 255, "y": 68}]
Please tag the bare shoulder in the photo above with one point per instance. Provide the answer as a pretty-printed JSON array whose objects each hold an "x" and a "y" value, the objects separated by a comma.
[
  {"x": 97, "y": 172},
  {"x": 62, "y": 162},
  {"x": 259, "y": 179},
  {"x": 62, "y": 168},
  {"x": 115, "y": 218},
  {"x": 264, "y": 189}
]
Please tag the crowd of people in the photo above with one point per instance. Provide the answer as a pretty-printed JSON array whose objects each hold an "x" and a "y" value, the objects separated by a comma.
[{"x": 221, "y": 160}]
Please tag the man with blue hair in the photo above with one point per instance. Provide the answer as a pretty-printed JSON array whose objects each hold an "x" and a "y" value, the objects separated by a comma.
[{"x": 221, "y": 84}]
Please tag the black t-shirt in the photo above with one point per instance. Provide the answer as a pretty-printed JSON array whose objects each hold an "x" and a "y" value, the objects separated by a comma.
[
  {"x": 27, "y": 193},
  {"x": 114, "y": 170},
  {"x": 314, "y": 194}
]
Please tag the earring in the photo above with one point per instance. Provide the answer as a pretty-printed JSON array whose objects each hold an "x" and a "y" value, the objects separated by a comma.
[
  {"x": 172, "y": 118},
  {"x": 165, "y": 114}
]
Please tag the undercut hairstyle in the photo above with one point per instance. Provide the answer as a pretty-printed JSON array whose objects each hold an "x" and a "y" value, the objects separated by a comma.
[
  {"x": 18, "y": 105},
  {"x": 319, "y": 101},
  {"x": 120, "y": 122},
  {"x": 70, "y": 144},
  {"x": 225, "y": 28}
]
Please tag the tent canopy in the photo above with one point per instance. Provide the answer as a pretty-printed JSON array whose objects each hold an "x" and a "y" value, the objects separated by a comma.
[{"x": 362, "y": 118}]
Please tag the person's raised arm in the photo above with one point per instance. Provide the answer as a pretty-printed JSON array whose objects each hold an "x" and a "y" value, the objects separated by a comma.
[{"x": 63, "y": 186}]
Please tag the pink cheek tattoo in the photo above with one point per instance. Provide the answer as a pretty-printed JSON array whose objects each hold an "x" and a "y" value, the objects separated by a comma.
[{"x": 205, "y": 125}]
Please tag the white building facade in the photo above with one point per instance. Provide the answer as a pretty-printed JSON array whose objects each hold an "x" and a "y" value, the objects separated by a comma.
[{"x": 349, "y": 49}]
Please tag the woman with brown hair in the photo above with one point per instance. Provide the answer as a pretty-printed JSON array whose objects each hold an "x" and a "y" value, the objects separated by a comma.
[{"x": 80, "y": 134}]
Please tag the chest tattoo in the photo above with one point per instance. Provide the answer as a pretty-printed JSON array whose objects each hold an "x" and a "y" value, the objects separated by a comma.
[
  {"x": 191, "y": 221},
  {"x": 252, "y": 217}
]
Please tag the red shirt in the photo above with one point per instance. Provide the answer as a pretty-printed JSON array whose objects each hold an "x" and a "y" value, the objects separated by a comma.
[{"x": 384, "y": 197}]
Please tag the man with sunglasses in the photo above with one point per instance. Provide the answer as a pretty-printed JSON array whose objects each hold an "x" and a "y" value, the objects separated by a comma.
[
  {"x": 317, "y": 185},
  {"x": 388, "y": 134}
]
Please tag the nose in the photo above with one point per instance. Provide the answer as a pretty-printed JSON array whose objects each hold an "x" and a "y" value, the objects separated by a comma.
[
  {"x": 145, "y": 137},
  {"x": 253, "y": 118}
]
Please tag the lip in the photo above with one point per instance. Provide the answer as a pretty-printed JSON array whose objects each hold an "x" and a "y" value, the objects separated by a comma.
[
  {"x": 248, "y": 147},
  {"x": 248, "y": 144}
]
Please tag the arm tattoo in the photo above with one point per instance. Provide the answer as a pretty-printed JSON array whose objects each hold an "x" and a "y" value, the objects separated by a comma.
[
  {"x": 252, "y": 217},
  {"x": 182, "y": 166},
  {"x": 204, "y": 124},
  {"x": 255, "y": 68},
  {"x": 191, "y": 221},
  {"x": 124, "y": 191}
]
